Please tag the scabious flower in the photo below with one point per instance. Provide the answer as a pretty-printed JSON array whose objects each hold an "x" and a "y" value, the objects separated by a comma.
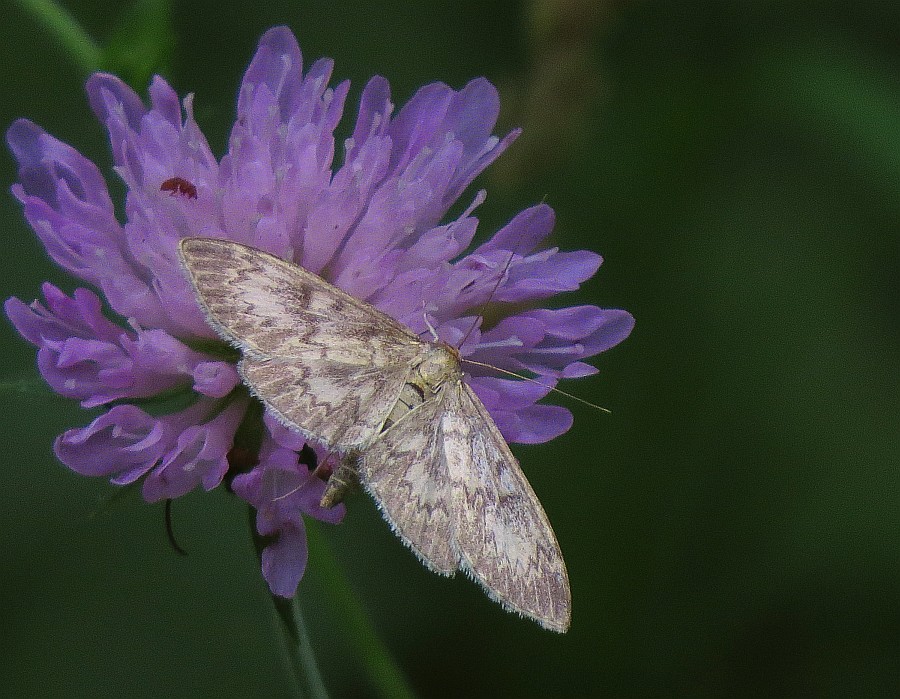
[{"x": 372, "y": 225}]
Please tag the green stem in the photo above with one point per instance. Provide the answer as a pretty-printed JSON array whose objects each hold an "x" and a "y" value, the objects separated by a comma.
[
  {"x": 385, "y": 674},
  {"x": 295, "y": 644},
  {"x": 299, "y": 649},
  {"x": 83, "y": 50}
]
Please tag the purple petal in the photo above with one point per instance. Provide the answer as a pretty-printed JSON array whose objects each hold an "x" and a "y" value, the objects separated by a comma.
[
  {"x": 46, "y": 162},
  {"x": 66, "y": 202},
  {"x": 276, "y": 67},
  {"x": 438, "y": 143},
  {"x": 471, "y": 117},
  {"x": 523, "y": 233},
  {"x": 84, "y": 356},
  {"x": 157, "y": 362},
  {"x": 534, "y": 425},
  {"x": 199, "y": 457},
  {"x": 112, "y": 100},
  {"x": 440, "y": 244},
  {"x": 375, "y": 109},
  {"x": 281, "y": 489},
  {"x": 596, "y": 329},
  {"x": 437, "y": 113},
  {"x": 512, "y": 405},
  {"x": 151, "y": 146},
  {"x": 568, "y": 335},
  {"x": 577, "y": 370},
  {"x": 284, "y": 560},
  {"x": 509, "y": 394},
  {"x": 343, "y": 201},
  {"x": 215, "y": 379},
  {"x": 281, "y": 149},
  {"x": 283, "y": 437},
  {"x": 125, "y": 443},
  {"x": 63, "y": 317},
  {"x": 546, "y": 274}
]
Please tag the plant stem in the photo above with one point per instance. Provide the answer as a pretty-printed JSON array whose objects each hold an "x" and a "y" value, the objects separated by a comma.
[
  {"x": 295, "y": 642},
  {"x": 81, "y": 48},
  {"x": 299, "y": 649},
  {"x": 386, "y": 676}
]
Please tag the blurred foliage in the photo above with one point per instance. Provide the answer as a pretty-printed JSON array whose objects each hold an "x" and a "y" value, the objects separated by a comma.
[
  {"x": 141, "y": 43},
  {"x": 731, "y": 530}
]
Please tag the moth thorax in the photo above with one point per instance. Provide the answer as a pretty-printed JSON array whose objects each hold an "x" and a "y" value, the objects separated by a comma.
[{"x": 438, "y": 364}]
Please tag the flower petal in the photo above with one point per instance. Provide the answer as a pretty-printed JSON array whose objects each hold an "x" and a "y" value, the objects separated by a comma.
[
  {"x": 284, "y": 560},
  {"x": 85, "y": 356},
  {"x": 534, "y": 425},
  {"x": 282, "y": 489},
  {"x": 555, "y": 340},
  {"x": 199, "y": 457}
]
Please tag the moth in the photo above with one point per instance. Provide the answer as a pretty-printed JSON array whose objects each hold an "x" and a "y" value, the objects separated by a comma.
[{"x": 351, "y": 378}]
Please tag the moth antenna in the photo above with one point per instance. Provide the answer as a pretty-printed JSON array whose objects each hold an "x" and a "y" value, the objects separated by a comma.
[
  {"x": 490, "y": 297},
  {"x": 170, "y": 530},
  {"x": 289, "y": 493},
  {"x": 526, "y": 378}
]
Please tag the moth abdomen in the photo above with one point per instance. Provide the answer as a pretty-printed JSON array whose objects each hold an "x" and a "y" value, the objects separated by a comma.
[{"x": 342, "y": 481}]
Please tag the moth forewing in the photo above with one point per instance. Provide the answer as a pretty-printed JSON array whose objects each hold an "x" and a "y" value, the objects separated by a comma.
[
  {"x": 350, "y": 377},
  {"x": 312, "y": 352}
]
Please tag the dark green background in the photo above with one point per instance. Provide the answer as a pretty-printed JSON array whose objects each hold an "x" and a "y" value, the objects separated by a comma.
[{"x": 731, "y": 529}]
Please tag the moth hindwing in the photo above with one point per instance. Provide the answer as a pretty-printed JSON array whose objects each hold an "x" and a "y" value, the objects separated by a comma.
[{"x": 351, "y": 378}]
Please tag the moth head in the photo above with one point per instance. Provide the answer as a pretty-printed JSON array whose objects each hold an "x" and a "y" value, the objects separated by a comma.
[{"x": 439, "y": 363}]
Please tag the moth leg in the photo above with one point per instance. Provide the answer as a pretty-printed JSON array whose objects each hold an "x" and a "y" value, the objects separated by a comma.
[
  {"x": 344, "y": 479},
  {"x": 346, "y": 476}
]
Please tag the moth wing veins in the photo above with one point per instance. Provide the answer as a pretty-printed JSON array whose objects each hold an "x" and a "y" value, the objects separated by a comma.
[
  {"x": 404, "y": 472},
  {"x": 340, "y": 407}
]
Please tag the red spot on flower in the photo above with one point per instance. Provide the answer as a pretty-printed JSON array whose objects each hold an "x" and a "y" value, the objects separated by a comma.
[{"x": 179, "y": 185}]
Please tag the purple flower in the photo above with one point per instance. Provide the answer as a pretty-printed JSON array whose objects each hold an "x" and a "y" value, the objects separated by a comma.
[{"x": 375, "y": 225}]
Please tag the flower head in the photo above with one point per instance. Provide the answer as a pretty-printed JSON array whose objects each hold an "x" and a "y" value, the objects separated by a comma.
[{"x": 374, "y": 225}]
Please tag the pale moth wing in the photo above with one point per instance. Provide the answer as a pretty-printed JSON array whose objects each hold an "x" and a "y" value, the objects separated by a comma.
[
  {"x": 334, "y": 403},
  {"x": 344, "y": 374},
  {"x": 311, "y": 352},
  {"x": 404, "y": 471},
  {"x": 501, "y": 531}
]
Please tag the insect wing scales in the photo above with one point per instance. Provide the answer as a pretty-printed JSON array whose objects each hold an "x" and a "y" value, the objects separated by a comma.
[
  {"x": 327, "y": 364},
  {"x": 501, "y": 531},
  {"x": 338, "y": 405},
  {"x": 333, "y": 367},
  {"x": 267, "y": 306},
  {"x": 405, "y": 473}
]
